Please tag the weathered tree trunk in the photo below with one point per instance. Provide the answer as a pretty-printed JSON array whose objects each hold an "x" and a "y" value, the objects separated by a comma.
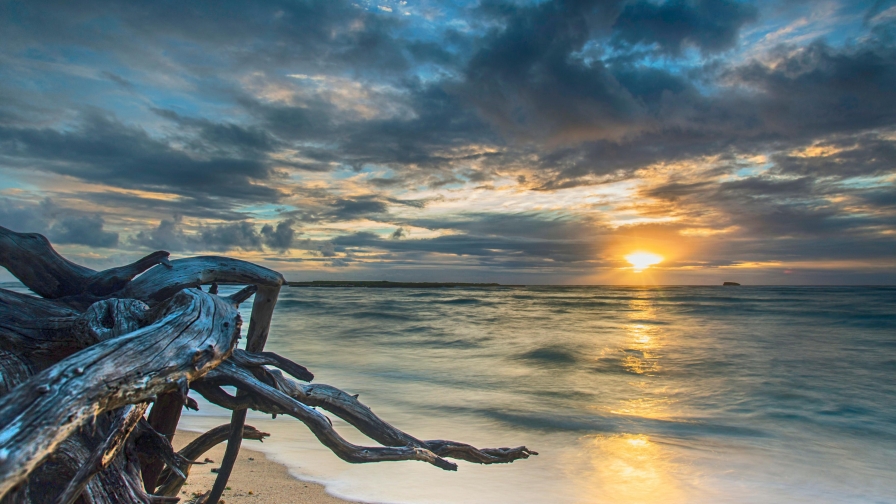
[{"x": 80, "y": 364}]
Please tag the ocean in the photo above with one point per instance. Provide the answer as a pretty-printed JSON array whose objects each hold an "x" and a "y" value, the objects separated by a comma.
[{"x": 629, "y": 394}]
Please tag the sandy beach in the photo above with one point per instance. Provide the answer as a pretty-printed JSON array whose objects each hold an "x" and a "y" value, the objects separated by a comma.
[{"x": 255, "y": 479}]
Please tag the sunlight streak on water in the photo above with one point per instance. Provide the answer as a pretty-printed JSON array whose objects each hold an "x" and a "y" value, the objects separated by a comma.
[{"x": 631, "y": 469}]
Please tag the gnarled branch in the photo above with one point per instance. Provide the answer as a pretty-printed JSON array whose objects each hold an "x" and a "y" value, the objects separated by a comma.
[
  {"x": 31, "y": 259},
  {"x": 195, "y": 333}
]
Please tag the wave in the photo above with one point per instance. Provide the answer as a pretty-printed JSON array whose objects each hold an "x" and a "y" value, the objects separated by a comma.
[
  {"x": 463, "y": 301},
  {"x": 618, "y": 424},
  {"x": 550, "y": 355}
]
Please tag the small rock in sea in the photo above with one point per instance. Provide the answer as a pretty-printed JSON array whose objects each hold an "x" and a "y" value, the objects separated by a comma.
[{"x": 730, "y": 283}]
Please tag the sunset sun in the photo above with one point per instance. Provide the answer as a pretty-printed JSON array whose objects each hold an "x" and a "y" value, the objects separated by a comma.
[{"x": 643, "y": 260}]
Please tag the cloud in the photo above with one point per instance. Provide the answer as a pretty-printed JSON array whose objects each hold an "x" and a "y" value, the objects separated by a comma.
[
  {"x": 281, "y": 237},
  {"x": 237, "y": 235},
  {"x": 708, "y": 25},
  {"x": 676, "y": 119},
  {"x": 63, "y": 226},
  {"x": 222, "y": 138},
  {"x": 23, "y": 217},
  {"x": 807, "y": 96},
  {"x": 494, "y": 238},
  {"x": 121, "y": 81},
  {"x": 327, "y": 249},
  {"x": 102, "y": 150},
  {"x": 399, "y": 233},
  {"x": 525, "y": 79},
  {"x": 170, "y": 235},
  {"x": 348, "y": 209},
  {"x": 83, "y": 230},
  {"x": 276, "y": 32},
  {"x": 861, "y": 155}
]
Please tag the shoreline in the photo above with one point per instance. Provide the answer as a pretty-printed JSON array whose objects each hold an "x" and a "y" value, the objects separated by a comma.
[{"x": 255, "y": 478}]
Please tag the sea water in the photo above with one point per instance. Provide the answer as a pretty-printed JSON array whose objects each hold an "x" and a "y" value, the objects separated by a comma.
[{"x": 629, "y": 395}]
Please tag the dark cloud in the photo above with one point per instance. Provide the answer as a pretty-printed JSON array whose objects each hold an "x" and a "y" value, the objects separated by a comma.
[
  {"x": 532, "y": 225},
  {"x": 23, "y": 217},
  {"x": 236, "y": 235},
  {"x": 327, "y": 249},
  {"x": 494, "y": 237},
  {"x": 493, "y": 249},
  {"x": 707, "y": 25},
  {"x": 222, "y": 138},
  {"x": 170, "y": 235},
  {"x": 251, "y": 36},
  {"x": 812, "y": 95},
  {"x": 399, "y": 233},
  {"x": 526, "y": 80},
  {"x": 348, "y": 209},
  {"x": 121, "y": 81},
  {"x": 820, "y": 90},
  {"x": 63, "y": 226},
  {"x": 863, "y": 155},
  {"x": 84, "y": 230},
  {"x": 884, "y": 197},
  {"x": 100, "y": 149},
  {"x": 438, "y": 120},
  {"x": 199, "y": 206},
  {"x": 280, "y": 237},
  {"x": 415, "y": 203}
]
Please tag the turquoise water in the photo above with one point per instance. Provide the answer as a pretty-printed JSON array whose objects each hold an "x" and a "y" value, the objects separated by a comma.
[{"x": 670, "y": 394}]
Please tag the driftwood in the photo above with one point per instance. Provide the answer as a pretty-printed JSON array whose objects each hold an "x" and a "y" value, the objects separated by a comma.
[{"x": 80, "y": 365}]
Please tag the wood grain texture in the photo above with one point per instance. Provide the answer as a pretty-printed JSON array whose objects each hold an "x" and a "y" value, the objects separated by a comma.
[{"x": 195, "y": 332}]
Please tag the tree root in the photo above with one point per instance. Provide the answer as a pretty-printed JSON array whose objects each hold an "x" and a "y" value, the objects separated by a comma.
[
  {"x": 195, "y": 333},
  {"x": 79, "y": 365}
]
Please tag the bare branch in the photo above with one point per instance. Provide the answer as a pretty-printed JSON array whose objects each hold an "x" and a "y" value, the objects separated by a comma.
[
  {"x": 172, "y": 483},
  {"x": 346, "y": 407},
  {"x": 31, "y": 259},
  {"x": 249, "y": 359},
  {"x": 321, "y": 427},
  {"x": 159, "y": 284}
]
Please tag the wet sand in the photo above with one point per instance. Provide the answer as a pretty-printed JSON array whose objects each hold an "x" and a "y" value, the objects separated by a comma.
[{"x": 255, "y": 479}]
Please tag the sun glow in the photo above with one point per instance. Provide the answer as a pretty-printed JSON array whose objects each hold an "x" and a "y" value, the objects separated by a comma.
[{"x": 640, "y": 261}]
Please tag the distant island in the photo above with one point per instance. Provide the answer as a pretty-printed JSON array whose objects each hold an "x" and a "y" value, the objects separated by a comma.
[
  {"x": 383, "y": 284},
  {"x": 730, "y": 283}
]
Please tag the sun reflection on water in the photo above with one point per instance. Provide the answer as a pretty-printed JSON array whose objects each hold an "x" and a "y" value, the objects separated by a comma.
[
  {"x": 640, "y": 352},
  {"x": 631, "y": 468},
  {"x": 634, "y": 467}
]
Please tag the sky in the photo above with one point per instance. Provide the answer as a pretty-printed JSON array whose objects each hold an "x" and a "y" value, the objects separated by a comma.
[{"x": 533, "y": 142}]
